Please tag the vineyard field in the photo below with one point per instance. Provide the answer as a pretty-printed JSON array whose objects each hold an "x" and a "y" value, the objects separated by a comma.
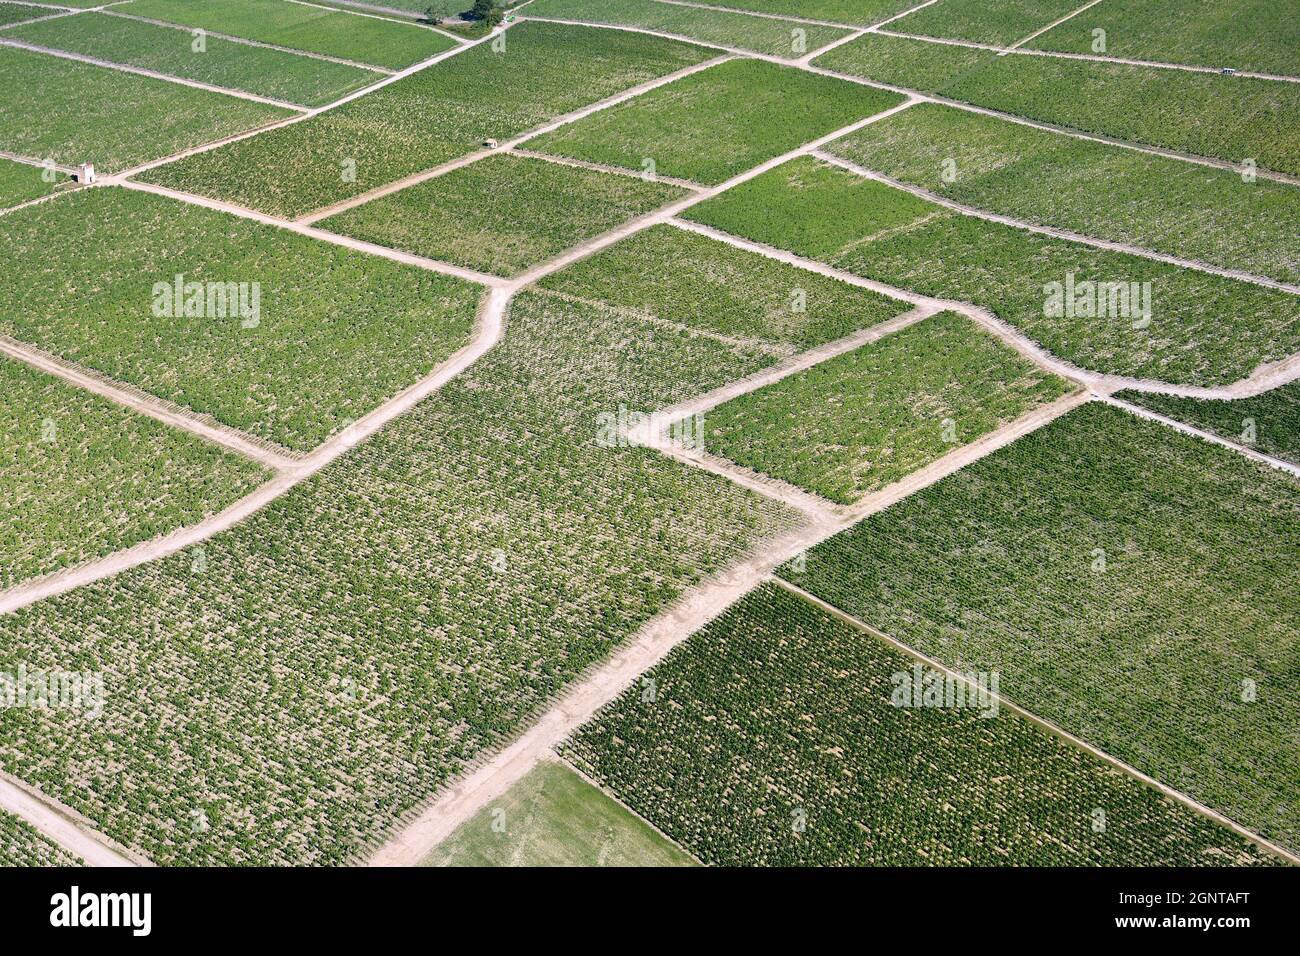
[
  {"x": 771, "y": 739},
  {"x": 552, "y": 817},
  {"x": 82, "y": 477},
  {"x": 502, "y": 214},
  {"x": 20, "y": 182},
  {"x": 853, "y": 12},
  {"x": 136, "y": 118},
  {"x": 1162, "y": 621},
  {"x": 365, "y": 40},
  {"x": 23, "y": 845},
  {"x": 314, "y": 337},
  {"x": 1107, "y": 192},
  {"x": 543, "y": 72},
  {"x": 861, "y": 420},
  {"x": 283, "y": 76},
  {"x": 1230, "y": 118},
  {"x": 979, "y": 21},
  {"x": 1269, "y": 422},
  {"x": 1202, "y": 329},
  {"x": 710, "y": 126},
  {"x": 784, "y": 38},
  {"x": 691, "y": 281},
  {"x": 17, "y": 13}
]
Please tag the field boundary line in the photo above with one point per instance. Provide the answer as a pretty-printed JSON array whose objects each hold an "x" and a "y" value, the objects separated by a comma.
[
  {"x": 471, "y": 791},
  {"x": 1251, "y": 453},
  {"x": 137, "y": 400},
  {"x": 1110, "y": 245},
  {"x": 65, "y": 826},
  {"x": 403, "y": 21},
  {"x": 827, "y": 47},
  {"x": 150, "y": 74},
  {"x": 875, "y": 27},
  {"x": 59, "y": 15},
  {"x": 469, "y": 158},
  {"x": 40, "y": 163},
  {"x": 792, "y": 18},
  {"x": 488, "y": 330},
  {"x": 603, "y": 168},
  {"x": 39, "y": 199},
  {"x": 1055, "y": 23},
  {"x": 1044, "y": 724},
  {"x": 245, "y": 41}
]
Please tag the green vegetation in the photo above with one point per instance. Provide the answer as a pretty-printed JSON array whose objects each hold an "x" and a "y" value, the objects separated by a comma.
[
  {"x": 83, "y": 477},
  {"x": 1109, "y": 192},
  {"x": 17, "y": 13},
  {"x": 855, "y": 12},
  {"x": 135, "y": 119},
  {"x": 552, "y": 817},
  {"x": 1134, "y": 585},
  {"x": 687, "y": 280},
  {"x": 502, "y": 214},
  {"x": 543, "y": 71},
  {"x": 1232, "y": 118},
  {"x": 237, "y": 66},
  {"x": 979, "y": 21},
  {"x": 760, "y": 34},
  {"x": 719, "y": 122},
  {"x": 332, "y": 332},
  {"x": 352, "y": 646},
  {"x": 21, "y": 182},
  {"x": 771, "y": 738},
  {"x": 1203, "y": 329},
  {"x": 334, "y": 33},
  {"x": 1269, "y": 423},
  {"x": 1258, "y": 35},
  {"x": 21, "y": 844},
  {"x": 868, "y": 417}
]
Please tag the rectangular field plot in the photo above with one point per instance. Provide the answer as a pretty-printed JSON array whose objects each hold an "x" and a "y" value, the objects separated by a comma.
[
  {"x": 367, "y": 40},
  {"x": 352, "y": 646},
  {"x": 83, "y": 477},
  {"x": 1269, "y": 423},
  {"x": 1232, "y": 118},
  {"x": 774, "y": 739},
  {"x": 238, "y": 66},
  {"x": 1162, "y": 624},
  {"x": 854, "y": 12},
  {"x": 17, "y": 13},
  {"x": 1201, "y": 329},
  {"x": 1001, "y": 23},
  {"x": 310, "y": 337},
  {"x": 428, "y": 118},
  {"x": 717, "y": 123},
  {"x": 502, "y": 214},
  {"x": 784, "y": 38},
  {"x": 21, "y": 844},
  {"x": 43, "y": 113},
  {"x": 552, "y": 817},
  {"x": 868, "y": 417},
  {"x": 1258, "y": 35},
  {"x": 21, "y": 182},
  {"x": 1108, "y": 192},
  {"x": 711, "y": 288}
]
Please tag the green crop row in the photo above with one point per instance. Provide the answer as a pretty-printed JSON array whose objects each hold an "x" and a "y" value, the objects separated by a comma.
[
  {"x": 21, "y": 844},
  {"x": 1134, "y": 585},
  {"x": 43, "y": 113},
  {"x": 1231, "y": 118},
  {"x": 979, "y": 21},
  {"x": 20, "y": 182},
  {"x": 759, "y": 34},
  {"x": 775, "y": 737},
  {"x": 1269, "y": 422},
  {"x": 301, "y": 27},
  {"x": 312, "y": 336},
  {"x": 1194, "y": 212},
  {"x": 871, "y": 416},
  {"x": 532, "y": 74},
  {"x": 710, "y": 126},
  {"x": 502, "y": 214},
  {"x": 82, "y": 477},
  {"x": 1199, "y": 329},
  {"x": 237, "y": 66}
]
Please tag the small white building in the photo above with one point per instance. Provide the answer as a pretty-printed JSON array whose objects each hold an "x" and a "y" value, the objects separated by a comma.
[{"x": 86, "y": 174}]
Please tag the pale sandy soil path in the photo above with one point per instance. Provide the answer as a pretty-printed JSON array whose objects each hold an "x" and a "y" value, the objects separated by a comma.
[
  {"x": 262, "y": 452},
  {"x": 407, "y": 21},
  {"x": 976, "y": 212},
  {"x": 1055, "y": 23},
  {"x": 1047, "y": 725},
  {"x": 659, "y": 636},
  {"x": 63, "y": 825},
  {"x": 151, "y": 74},
  {"x": 603, "y": 168},
  {"x": 505, "y": 146}
]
